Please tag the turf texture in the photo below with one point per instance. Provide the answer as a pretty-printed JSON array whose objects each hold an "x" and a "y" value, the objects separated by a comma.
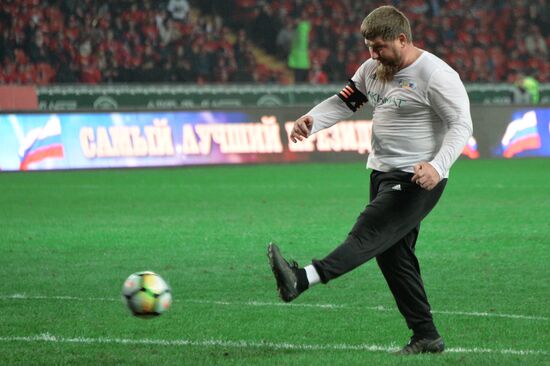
[{"x": 69, "y": 239}]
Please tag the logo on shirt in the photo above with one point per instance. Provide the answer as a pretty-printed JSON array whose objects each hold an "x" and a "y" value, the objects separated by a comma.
[
  {"x": 407, "y": 84},
  {"x": 376, "y": 100}
]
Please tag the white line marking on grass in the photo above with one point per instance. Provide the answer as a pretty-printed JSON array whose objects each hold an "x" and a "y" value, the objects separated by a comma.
[
  {"x": 279, "y": 304},
  {"x": 377, "y": 308},
  {"x": 43, "y": 297},
  {"x": 495, "y": 315},
  {"x": 47, "y": 337}
]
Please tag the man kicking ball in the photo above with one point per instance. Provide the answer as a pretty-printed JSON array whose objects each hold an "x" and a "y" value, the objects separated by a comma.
[{"x": 421, "y": 123}]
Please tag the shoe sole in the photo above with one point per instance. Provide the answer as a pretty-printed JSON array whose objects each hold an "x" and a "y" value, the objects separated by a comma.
[
  {"x": 437, "y": 346},
  {"x": 284, "y": 293},
  {"x": 434, "y": 347}
]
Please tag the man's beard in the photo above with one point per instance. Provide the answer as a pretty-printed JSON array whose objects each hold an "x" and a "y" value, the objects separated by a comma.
[{"x": 386, "y": 72}]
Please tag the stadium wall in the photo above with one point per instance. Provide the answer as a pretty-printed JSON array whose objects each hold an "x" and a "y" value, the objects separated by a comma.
[
  {"x": 162, "y": 97},
  {"x": 115, "y": 139}
]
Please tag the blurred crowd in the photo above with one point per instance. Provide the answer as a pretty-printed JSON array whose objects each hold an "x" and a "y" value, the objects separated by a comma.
[
  {"x": 484, "y": 40},
  {"x": 212, "y": 41},
  {"x": 87, "y": 41}
]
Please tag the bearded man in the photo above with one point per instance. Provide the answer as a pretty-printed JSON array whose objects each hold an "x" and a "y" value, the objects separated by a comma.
[{"x": 421, "y": 123}]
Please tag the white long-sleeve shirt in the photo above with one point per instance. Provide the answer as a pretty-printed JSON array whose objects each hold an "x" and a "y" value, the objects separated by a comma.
[{"x": 423, "y": 114}]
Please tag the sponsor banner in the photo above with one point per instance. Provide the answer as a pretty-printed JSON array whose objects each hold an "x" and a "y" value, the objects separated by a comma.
[
  {"x": 41, "y": 141},
  {"x": 140, "y": 139}
]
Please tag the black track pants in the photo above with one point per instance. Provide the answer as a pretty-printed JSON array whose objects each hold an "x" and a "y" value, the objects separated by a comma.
[{"x": 387, "y": 229}]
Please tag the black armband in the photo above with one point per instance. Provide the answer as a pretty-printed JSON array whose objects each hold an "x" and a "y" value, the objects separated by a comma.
[{"x": 352, "y": 96}]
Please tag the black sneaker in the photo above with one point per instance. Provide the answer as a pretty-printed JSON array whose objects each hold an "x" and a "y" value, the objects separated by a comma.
[
  {"x": 285, "y": 274},
  {"x": 423, "y": 345}
]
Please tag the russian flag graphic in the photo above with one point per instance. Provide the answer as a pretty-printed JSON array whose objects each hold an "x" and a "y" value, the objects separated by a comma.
[
  {"x": 521, "y": 134},
  {"x": 470, "y": 150},
  {"x": 40, "y": 144}
]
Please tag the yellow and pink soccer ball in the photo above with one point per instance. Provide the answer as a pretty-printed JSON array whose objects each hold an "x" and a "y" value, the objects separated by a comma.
[{"x": 146, "y": 294}]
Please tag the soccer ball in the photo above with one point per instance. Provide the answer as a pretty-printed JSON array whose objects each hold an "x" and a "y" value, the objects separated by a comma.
[{"x": 146, "y": 294}]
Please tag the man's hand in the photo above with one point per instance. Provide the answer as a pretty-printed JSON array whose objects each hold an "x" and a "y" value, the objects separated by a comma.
[
  {"x": 425, "y": 176},
  {"x": 301, "y": 128}
]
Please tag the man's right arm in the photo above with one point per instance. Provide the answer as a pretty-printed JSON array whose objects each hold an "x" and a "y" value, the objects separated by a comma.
[
  {"x": 323, "y": 115},
  {"x": 336, "y": 108},
  {"x": 327, "y": 113}
]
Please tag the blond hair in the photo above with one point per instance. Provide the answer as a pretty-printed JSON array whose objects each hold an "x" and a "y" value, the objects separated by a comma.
[{"x": 386, "y": 22}]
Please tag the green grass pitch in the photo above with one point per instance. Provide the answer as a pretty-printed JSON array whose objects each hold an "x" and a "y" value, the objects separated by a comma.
[{"x": 69, "y": 239}]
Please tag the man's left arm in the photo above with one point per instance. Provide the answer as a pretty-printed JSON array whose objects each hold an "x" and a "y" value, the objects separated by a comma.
[{"x": 449, "y": 99}]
